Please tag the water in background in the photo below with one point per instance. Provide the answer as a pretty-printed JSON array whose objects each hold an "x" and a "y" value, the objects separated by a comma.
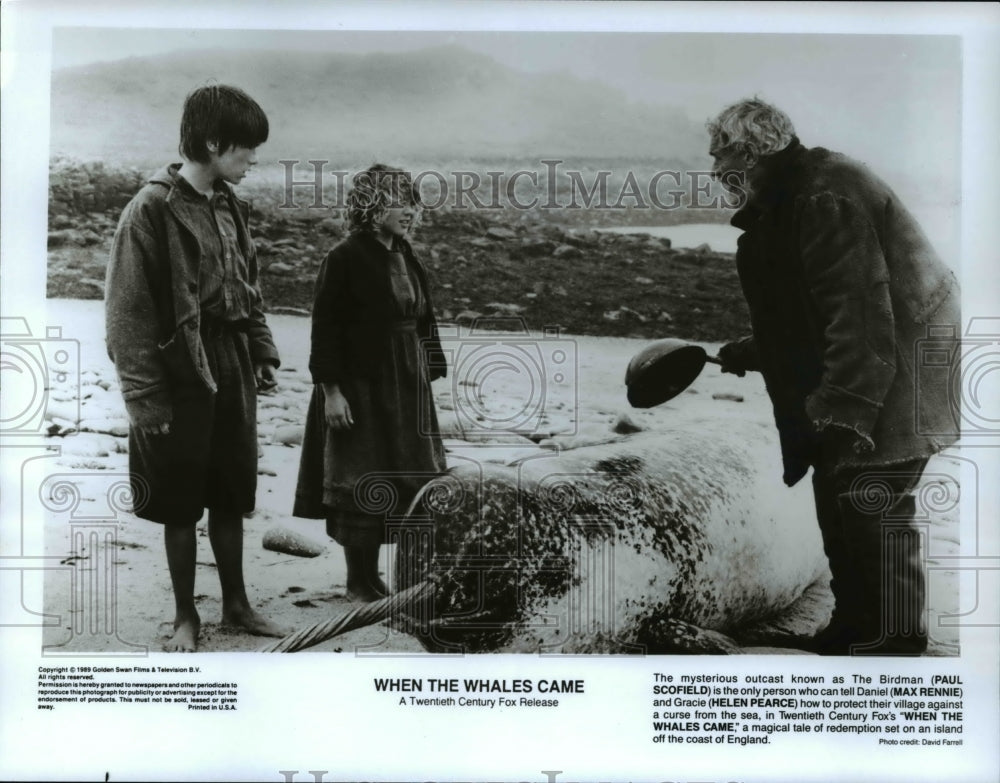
[
  {"x": 720, "y": 237},
  {"x": 940, "y": 223}
]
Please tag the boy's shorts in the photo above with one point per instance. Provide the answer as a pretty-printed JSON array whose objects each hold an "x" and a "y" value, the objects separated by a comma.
[{"x": 208, "y": 459}]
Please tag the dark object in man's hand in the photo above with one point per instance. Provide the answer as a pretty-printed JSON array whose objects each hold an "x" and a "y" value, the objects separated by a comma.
[
  {"x": 662, "y": 370},
  {"x": 738, "y": 357}
]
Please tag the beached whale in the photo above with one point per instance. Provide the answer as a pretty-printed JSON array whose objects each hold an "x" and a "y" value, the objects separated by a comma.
[{"x": 651, "y": 543}]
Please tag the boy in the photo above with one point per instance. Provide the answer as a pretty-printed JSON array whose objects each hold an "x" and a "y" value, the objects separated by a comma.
[{"x": 187, "y": 334}]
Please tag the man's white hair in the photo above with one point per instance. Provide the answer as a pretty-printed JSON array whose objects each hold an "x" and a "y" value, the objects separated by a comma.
[{"x": 755, "y": 127}]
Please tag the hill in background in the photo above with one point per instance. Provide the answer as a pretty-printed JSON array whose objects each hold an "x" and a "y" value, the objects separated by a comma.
[
  {"x": 433, "y": 104},
  {"x": 444, "y": 107}
]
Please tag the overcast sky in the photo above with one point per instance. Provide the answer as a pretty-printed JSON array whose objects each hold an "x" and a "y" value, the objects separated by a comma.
[{"x": 887, "y": 99}]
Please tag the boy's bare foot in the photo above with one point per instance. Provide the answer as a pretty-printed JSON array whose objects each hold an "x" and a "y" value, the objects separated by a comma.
[
  {"x": 185, "y": 638},
  {"x": 253, "y": 622}
]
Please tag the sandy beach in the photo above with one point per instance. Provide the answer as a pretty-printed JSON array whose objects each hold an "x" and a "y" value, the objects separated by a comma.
[{"x": 88, "y": 448}]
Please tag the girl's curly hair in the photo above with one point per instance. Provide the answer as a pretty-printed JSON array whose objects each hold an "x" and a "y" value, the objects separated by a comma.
[{"x": 377, "y": 189}]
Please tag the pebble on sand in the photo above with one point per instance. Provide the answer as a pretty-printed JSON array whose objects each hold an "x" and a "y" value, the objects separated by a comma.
[
  {"x": 289, "y": 435},
  {"x": 289, "y": 542},
  {"x": 625, "y": 425}
]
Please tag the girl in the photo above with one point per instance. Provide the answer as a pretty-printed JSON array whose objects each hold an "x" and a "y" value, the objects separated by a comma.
[{"x": 372, "y": 437}]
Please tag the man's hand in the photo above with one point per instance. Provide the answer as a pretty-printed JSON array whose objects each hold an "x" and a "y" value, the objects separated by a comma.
[
  {"x": 336, "y": 410},
  {"x": 840, "y": 441},
  {"x": 740, "y": 356},
  {"x": 732, "y": 360},
  {"x": 264, "y": 374},
  {"x": 156, "y": 429}
]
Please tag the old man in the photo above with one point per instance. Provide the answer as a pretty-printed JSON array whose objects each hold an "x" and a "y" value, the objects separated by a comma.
[{"x": 842, "y": 285}]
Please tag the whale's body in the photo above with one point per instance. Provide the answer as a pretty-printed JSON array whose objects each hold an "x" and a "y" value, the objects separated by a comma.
[{"x": 645, "y": 544}]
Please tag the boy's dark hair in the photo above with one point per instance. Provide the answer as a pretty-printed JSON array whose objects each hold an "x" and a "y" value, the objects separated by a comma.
[{"x": 223, "y": 114}]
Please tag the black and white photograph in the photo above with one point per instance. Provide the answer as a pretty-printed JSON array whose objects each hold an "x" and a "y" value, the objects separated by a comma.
[{"x": 603, "y": 376}]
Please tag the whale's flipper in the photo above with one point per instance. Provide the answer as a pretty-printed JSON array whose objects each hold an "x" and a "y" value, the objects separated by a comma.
[{"x": 665, "y": 635}]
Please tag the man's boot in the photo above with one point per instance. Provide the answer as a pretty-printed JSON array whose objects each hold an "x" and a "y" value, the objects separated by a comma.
[
  {"x": 886, "y": 548},
  {"x": 895, "y": 620},
  {"x": 844, "y": 627}
]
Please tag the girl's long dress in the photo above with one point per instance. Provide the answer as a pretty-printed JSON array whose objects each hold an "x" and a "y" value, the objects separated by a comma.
[{"x": 358, "y": 477}]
